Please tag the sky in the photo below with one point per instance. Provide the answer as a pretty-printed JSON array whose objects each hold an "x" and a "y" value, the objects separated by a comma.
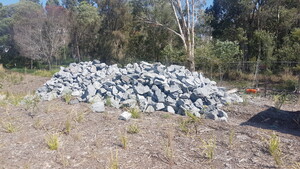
[{"x": 8, "y": 2}]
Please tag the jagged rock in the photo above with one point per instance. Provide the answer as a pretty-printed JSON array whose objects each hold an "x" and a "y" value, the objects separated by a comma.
[
  {"x": 170, "y": 109},
  {"x": 125, "y": 116},
  {"x": 159, "y": 106},
  {"x": 98, "y": 107}
]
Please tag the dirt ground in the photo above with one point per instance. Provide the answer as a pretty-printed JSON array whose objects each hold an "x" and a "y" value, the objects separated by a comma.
[{"x": 94, "y": 140}]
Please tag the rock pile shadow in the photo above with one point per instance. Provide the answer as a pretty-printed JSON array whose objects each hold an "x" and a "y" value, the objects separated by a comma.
[
  {"x": 151, "y": 87},
  {"x": 279, "y": 120}
]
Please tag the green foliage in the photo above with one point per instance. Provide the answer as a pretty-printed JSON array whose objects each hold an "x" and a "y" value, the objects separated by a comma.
[
  {"x": 52, "y": 141},
  {"x": 135, "y": 113},
  {"x": 124, "y": 141},
  {"x": 108, "y": 101},
  {"x": 133, "y": 129},
  {"x": 274, "y": 148},
  {"x": 209, "y": 147},
  {"x": 114, "y": 163},
  {"x": 279, "y": 100},
  {"x": 67, "y": 97},
  {"x": 68, "y": 127},
  {"x": 9, "y": 127}
]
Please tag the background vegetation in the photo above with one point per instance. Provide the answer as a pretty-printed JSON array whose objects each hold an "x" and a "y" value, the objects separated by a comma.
[{"x": 233, "y": 38}]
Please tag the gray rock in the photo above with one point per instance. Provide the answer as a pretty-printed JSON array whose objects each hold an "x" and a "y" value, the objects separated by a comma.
[
  {"x": 198, "y": 103},
  {"x": 97, "y": 85},
  {"x": 159, "y": 106},
  {"x": 130, "y": 103},
  {"x": 74, "y": 101},
  {"x": 141, "y": 89},
  {"x": 98, "y": 107},
  {"x": 150, "y": 109},
  {"x": 91, "y": 90},
  {"x": 170, "y": 109},
  {"x": 125, "y": 116}
]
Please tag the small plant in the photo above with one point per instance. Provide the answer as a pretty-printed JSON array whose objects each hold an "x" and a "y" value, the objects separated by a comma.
[
  {"x": 67, "y": 97},
  {"x": 135, "y": 113},
  {"x": 279, "y": 100},
  {"x": 68, "y": 127},
  {"x": 114, "y": 163},
  {"x": 274, "y": 148},
  {"x": 192, "y": 122},
  {"x": 79, "y": 117},
  {"x": 52, "y": 141},
  {"x": 296, "y": 165},
  {"x": 133, "y": 129},
  {"x": 38, "y": 124},
  {"x": 166, "y": 116},
  {"x": 231, "y": 137},
  {"x": 108, "y": 101},
  {"x": 209, "y": 147},
  {"x": 9, "y": 127},
  {"x": 183, "y": 126},
  {"x": 124, "y": 141},
  {"x": 169, "y": 147}
]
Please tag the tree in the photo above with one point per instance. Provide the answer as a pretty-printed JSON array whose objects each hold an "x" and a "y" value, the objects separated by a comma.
[
  {"x": 40, "y": 35},
  {"x": 70, "y": 4},
  {"x": 35, "y": 1},
  {"x": 52, "y": 2},
  {"x": 87, "y": 27},
  {"x": 225, "y": 54},
  {"x": 186, "y": 13},
  {"x": 114, "y": 32}
]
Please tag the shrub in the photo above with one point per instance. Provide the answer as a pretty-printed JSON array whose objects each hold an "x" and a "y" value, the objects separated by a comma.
[
  {"x": 135, "y": 112},
  {"x": 274, "y": 148},
  {"x": 133, "y": 129},
  {"x": 52, "y": 141}
]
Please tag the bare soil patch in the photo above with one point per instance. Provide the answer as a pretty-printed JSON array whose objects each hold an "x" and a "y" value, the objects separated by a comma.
[{"x": 94, "y": 139}]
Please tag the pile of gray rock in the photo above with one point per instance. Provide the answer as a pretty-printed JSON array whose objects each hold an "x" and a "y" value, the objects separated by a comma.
[{"x": 151, "y": 87}]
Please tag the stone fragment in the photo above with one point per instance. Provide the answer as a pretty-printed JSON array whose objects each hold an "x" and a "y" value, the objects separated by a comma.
[
  {"x": 98, "y": 107},
  {"x": 125, "y": 116}
]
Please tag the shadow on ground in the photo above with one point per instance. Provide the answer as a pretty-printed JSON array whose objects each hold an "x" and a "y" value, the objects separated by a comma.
[{"x": 279, "y": 120}]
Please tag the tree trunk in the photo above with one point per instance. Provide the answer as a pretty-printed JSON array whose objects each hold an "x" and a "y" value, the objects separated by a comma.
[
  {"x": 77, "y": 48},
  {"x": 49, "y": 64},
  {"x": 191, "y": 61}
]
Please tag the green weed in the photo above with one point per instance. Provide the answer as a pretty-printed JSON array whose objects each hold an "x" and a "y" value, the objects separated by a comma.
[
  {"x": 114, "y": 163},
  {"x": 274, "y": 148},
  {"x": 133, "y": 129},
  {"x": 67, "y": 97},
  {"x": 279, "y": 100},
  {"x": 68, "y": 127},
  {"x": 209, "y": 147},
  {"x": 9, "y": 127},
  {"x": 169, "y": 147},
  {"x": 108, "y": 102},
  {"x": 52, "y": 141},
  {"x": 296, "y": 165},
  {"x": 231, "y": 137},
  {"x": 124, "y": 141},
  {"x": 135, "y": 113}
]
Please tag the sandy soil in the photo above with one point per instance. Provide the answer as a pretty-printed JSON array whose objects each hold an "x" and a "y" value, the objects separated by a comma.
[{"x": 94, "y": 139}]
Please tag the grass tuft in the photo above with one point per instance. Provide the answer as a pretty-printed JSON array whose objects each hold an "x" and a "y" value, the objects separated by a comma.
[
  {"x": 124, "y": 141},
  {"x": 209, "y": 147},
  {"x": 67, "y": 97},
  {"x": 274, "y": 148},
  {"x": 52, "y": 141},
  {"x": 133, "y": 129},
  {"x": 9, "y": 127},
  {"x": 68, "y": 127},
  {"x": 135, "y": 112},
  {"x": 114, "y": 163}
]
